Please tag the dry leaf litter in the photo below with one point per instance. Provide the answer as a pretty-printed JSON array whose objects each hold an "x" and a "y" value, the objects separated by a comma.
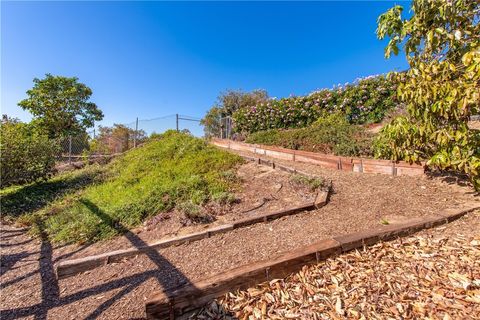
[{"x": 415, "y": 278}]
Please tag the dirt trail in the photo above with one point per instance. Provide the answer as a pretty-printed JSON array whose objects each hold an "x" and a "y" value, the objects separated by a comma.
[{"x": 118, "y": 291}]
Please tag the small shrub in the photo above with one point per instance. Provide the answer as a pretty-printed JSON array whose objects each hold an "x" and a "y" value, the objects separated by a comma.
[
  {"x": 310, "y": 182},
  {"x": 384, "y": 221},
  {"x": 224, "y": 198},
  {"x": 27, "y": 155},
  {"x": 229, "y": 176},
  {"x": 194, "y": 212}
]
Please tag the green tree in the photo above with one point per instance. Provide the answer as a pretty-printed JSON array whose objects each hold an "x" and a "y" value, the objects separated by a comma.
[
  {"x": 212, "y": 122},
  {"x": 26, "y": 153},
  {"x": 441, "y": 89},
  {"x": 61, "y": 105},
  {"x": 118, "y": 138},
  {"x": 227, "y": 103}
]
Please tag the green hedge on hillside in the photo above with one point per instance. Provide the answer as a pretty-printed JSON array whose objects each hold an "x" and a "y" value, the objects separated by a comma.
[
  {"x": 332, "y": 134},
  {"x": 368, "y": 100}
]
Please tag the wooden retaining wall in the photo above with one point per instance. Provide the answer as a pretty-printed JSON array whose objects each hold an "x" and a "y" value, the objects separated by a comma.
[
  {"x": 362, "y": 165},
  {"x": 185, "y": 299}
]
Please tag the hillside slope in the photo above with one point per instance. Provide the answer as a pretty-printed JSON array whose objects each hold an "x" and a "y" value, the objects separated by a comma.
[{"x": 174, "y": 170}]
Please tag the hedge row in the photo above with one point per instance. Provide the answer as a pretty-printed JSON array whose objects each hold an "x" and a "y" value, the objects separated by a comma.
[
  {"x": 332, "y": 134},
  {"x": 367, "y": 100}
]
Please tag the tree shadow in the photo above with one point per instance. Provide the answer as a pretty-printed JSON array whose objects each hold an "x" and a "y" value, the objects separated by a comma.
[
  {"x": 18, "y": 231},
  {"x": 7, "y": 261},
  {"x": 137, "y": 242},
  {"x": 219, "y": 313},
  {"x": 50, "y": 288},
  {"x": 176, "y": 277},
  {"x": 10, "y": 234},
  {"x": 5, "y": 245},
  {"x": 49, "y": 282},
  {"x": 451, "y": 178},
  {"x": 30, "y": 198}
]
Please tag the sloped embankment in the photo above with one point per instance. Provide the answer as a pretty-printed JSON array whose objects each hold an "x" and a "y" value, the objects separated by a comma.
[{"x": 173, "y": 170}]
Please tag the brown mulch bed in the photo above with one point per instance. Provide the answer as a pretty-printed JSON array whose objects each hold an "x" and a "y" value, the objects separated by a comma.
[
  {"x": 119, "y": 291},
  {"x": 432, "y": 275}
]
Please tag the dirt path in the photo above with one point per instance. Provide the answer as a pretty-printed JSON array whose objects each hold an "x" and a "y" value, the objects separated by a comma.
[{"x": 118, "y": 291}]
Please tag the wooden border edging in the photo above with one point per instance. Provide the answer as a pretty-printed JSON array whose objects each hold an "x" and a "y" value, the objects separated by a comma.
[
  {"x": 185, "y": 299},
  {"x": 361, "y": 165},
  {"x": 72, "y": 267}
]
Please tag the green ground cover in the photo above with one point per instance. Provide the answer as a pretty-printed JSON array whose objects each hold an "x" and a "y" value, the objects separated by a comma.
[{"x": 174, "y": 170}]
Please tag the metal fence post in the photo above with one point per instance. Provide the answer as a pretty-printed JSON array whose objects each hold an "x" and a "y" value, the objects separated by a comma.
[
  {"x": 70, "y": 149},
  {"x": 135, "y": 134},
  {"x": 176, "y": 116},
  {"x": 221, "y": 127}
]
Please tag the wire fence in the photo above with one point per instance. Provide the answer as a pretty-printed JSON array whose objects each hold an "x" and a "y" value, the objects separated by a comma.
[{"x": 119, "y": 138}]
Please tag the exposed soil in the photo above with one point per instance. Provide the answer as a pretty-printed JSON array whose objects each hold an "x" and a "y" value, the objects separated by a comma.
[
  {"x": 65, "y": 165},
  {"x": 474, "y": 125},
  {"x": 119, "y": 291}
]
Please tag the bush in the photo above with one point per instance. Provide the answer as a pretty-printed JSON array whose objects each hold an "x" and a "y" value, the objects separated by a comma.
[
  {"x": 366, "y": 101},
  {"x": 27, "y": 155},
  {"x": 441, "y": 87},
  {"x": 310, "y": 182},
  {"x": 332, "y": 134}
]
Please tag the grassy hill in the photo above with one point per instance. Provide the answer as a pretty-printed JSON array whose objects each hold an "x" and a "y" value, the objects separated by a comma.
[{"x": 173, "y": 170}]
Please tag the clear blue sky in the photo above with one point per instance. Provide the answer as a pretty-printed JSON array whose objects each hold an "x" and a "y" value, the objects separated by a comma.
[{"x": 150, "y": 59}]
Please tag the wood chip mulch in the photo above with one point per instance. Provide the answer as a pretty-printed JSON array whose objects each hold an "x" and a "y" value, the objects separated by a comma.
[
  {"x": 421, "y": 277},
  {"x": 29, "y": 289}
]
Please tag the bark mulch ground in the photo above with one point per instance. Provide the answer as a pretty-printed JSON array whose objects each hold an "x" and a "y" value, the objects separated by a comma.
[
  {"x": 432, "y": 275},
  {"x": 119, "y": 291}
]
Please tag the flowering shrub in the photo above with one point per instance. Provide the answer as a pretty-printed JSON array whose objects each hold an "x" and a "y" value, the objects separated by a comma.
[{"x": 365, "y": 101}]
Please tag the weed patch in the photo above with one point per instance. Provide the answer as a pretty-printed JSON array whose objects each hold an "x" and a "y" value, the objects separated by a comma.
[{"x": 311, "y": 183}]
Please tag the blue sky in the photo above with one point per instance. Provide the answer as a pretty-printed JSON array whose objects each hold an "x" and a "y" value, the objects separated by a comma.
[{"x": 150, "y": 59}]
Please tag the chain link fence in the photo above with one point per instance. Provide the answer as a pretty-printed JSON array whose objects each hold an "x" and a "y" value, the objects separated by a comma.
[
  {"x": 226, "y": 125},
  {"x": 104, "y": 141}
]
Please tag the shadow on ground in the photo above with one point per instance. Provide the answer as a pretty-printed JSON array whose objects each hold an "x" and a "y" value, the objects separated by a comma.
[
  {"x": 451, "y": 178},
  {"x": 30, "y": 198},
  {"x": 49, "y": 284}
]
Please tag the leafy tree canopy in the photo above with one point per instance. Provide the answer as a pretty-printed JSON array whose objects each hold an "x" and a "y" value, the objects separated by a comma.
[
  {"x": 61, "y": 106},
  {"x": 441, "y": 89},
  {"x": 227, "y": 103},
  {"x": 118, "y": 138}
]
